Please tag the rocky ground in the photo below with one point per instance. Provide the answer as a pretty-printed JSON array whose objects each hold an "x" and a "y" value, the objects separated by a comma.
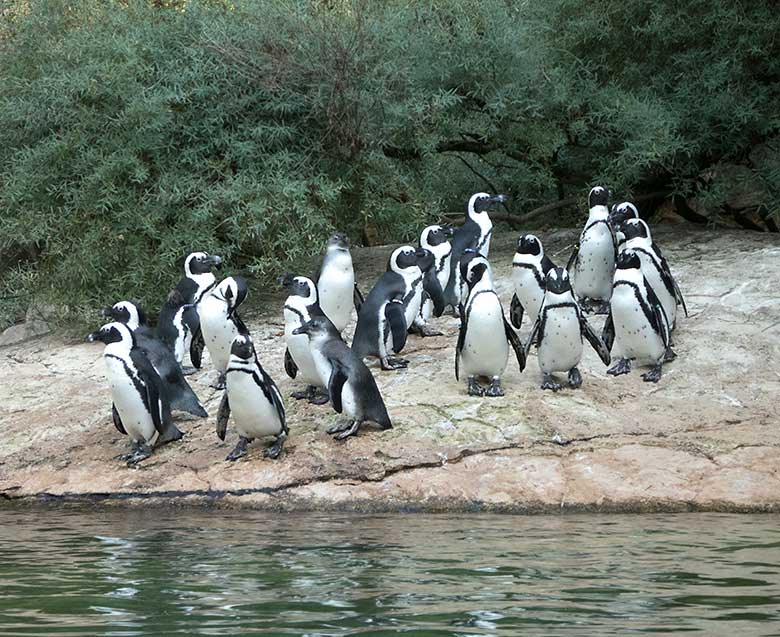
[{"x": 706, "y": 437}]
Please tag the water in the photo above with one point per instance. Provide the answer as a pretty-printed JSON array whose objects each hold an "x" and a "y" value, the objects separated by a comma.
[{"x": 211, "y": 572}]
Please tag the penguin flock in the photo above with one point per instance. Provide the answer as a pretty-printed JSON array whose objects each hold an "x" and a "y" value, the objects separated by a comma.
[{"x": 616, "y": 269}]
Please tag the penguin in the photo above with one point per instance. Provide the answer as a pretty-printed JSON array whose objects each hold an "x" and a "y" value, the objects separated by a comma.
[
  {"x": 178, "y": 325},
  {"x": 559, "y": 330},
  {"x": 299, "y": 307},
  {"x": 636, "y": 328},
  {"x": 390, "y": 308},
  {"x": 618, "y": 215},
  {"x": 530, "y": 266},
  {"x": 351, "y": 386},
  {"x": 140, "y": 407},
  {"x": 430, "y": 291},
  {"x": 485, "y": 335},
  {"x": 475, "y": 234},
  {"x": 654, "y": 267},
  {"x": 220, "y": 322},
  {"x": 337, "y": 290},
  {"x": 594, "y": 258},
  {"x": 436, "y": 239},
  {"x": 253, "y": 399},
  {"x": 182, "y": 397}
]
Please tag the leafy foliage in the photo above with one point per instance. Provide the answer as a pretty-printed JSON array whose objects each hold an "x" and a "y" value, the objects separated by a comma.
[{"x": 137, "y": 131}]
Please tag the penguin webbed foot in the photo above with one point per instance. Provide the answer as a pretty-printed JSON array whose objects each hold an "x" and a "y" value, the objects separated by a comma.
[
  {"x": 670, "y": 355},
  {"x": 220, "y": 382},
  {"x": 187, "y": 371},
  {"x": 623, "y": 366},
  {"x": 140, "y": 451},
  {"x": 275, "y": 449},
  {"x": 318, "y": 396},
  {"x": 494, "y": 391},
  {"x": 549, "y": 382},
  {"x": 475, "y": 389},
  {"x": 575, "y": 378},
  {"x": 654, "y": 375},
  {"x": 172, "y": 434},
  {"x": 424, "y": 331},
  {"x": 345, "y": 429},
  {"x": 240, "y": 449},
  {"x": 393, "y": 362}
]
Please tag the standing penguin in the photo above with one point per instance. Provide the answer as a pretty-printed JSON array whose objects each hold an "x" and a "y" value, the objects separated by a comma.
[
  {"x": 178, "y": 325},
  {"x": 220, "y": 322},
  {"x": 141, "y": 409},
  {"x": 475, "y": 234},
  {"x": 594, "y": 259},
  {"x": 254, "y": 400},
  {"x": 182, "y": 397},
  {"x": 530, "y": 266},
  {"x": 485, "y": 335},
  {"x": 337, "y": 290},
  {"x": 618, "y": 215},
  {"x": 301, "y": 305},
  {"x": 351, "y": 386},
  {"x": 636, "y": 327},
  {"x": 390, "y": 308},
  {"x": 429, "y": 291},
  {"x": 654, "y": 267},
  {"x": 558, "y": 332},
  {"x": 436, "y": 239}
]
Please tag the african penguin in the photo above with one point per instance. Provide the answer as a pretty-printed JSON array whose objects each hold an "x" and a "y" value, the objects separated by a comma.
[
  {"x": 182, "y": 397},
  {"x": 351, "y": 386},
  {"x": 654, "y": 267},
  {"x": 558, "y": 332},
  {"x": 594, "y": 259},
  {"x": 435, "y": 239},
  {"x": 140, "y": 406},
  {"x": 485, "y": 335},
  {"x": 337, "y": 290},
  {"x": 429, "y": 290},
  {"x": 475, "y": 234},
  {"x": 253, "y": 399},
  {"x": 618, "y": 215},
  {"x": 178, "y": 325},
  {"x": 530, "y": 266},
  {"x": 220, "y": 322},
  {"x": 390, "y": 308},
  {"x": 636, "y": 328},
  {"x": 299, "y": 307}
]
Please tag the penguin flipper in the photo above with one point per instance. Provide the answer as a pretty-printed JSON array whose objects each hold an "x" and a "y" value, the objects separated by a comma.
[
  {"x": 547, "y": 264},
  {"x": 573, "y": 258},
  {"x": 433, "y": 289},
  {"x": 659, "y": 319},
  {"x": 532, "y": 336},
  {"x": 461, "y": 339},
  {"x": 289, "y": 364},
  {"x": 117, "y": 420},
  {"x": 161, "y": 413},
  {"x": 276, "y": 396},
  {"x": 336, "y": 384},
  {"x": 514, "y": 341},
  {"x": 608, "y": 333},
  {"x": 516, "y": 312},
  {"x": 596, "y": 343},
  {"x": 196, "y": 347},
  {"x": 357, "y": 298},
  {"x": 394, "y": 315},
  {"x": 222, "y": 416},
  {"x": 666, "y": 273}
]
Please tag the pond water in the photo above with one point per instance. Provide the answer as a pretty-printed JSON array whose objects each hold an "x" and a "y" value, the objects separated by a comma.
[{"x": 212, "y": 572}]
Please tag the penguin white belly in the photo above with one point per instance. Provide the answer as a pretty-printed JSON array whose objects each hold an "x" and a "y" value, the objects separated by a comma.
[
  {"x": 668, "y": 301},
  {"x": 135, "y": 417},
  {"x": 324, "y": 368},
  {"x": 635, "y": 337},
  {"x": 413, "y": 308},
  {"x": 218, "y": 334},
  {"x": 595, "y": 266},
  {"x": 298, "y": 345},
  {"x": 348, "y": 401},
  {"x": 253, "y": 414},
  {"x": 528, "y": 292},
  {"x": 426, "y": 311},
  {"x": 485, "y": 348},
  {"x": 183, "y": 336},
  {"x": 336, "y": 287},
  {"x": 561, "y": 346}
]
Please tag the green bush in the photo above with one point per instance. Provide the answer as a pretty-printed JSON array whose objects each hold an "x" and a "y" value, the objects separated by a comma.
[{"x": 132, "y": 132}]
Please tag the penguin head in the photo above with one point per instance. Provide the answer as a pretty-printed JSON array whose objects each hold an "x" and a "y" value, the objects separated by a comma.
[
  {"x": 126, "y": 312},
  {"x": 557, "y": 281},
  {"x": 232, "y": 291},
  {"x": 112, "y": 333},
  {"x": 299, "y": 286},
  {"x": 403, "y": 258},
  {"x": 317, "y": 326},
  {"x": 338, "y": 241},
  {"x": 634, "y": 228},
  {"x": 598, "y": 196},
  {"x": 474, "y": 269},
  {"x": 242, "y": 347},
  {"x": 621, "y": 212},
  {"x": 425, "y": 259},
  {"x": 530, "y": 244},
  {"x": 434, "y": 236},
  {"x": 201, "y": 263},
  {"x": 482, "y": 202},
  {"x": 628, "y": 260}
]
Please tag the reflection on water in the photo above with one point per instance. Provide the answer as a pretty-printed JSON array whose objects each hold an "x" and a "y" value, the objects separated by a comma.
[{"x": 211, "y": 572}]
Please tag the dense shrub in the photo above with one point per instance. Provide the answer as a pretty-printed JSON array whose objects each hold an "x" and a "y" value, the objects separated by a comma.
[{"x": 132, "y": 132}]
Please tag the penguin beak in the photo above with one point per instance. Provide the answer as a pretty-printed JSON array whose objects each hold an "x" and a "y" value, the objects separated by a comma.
[
  {"x": 286, "y": 280},
  {"x": 499, "y": 198},
  {"x": 420, "y": 253},
  {"x": 92, "y": 337},
  {"x": 449, "y": 231},
  {"x": 303, "y": 329},
  {"x": 107, "y": 312},
  {"x": 215, "y": 260}
]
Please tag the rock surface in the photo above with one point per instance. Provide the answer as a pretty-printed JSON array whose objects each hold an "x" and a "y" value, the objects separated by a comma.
[{"x": 707, "y": 436}]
